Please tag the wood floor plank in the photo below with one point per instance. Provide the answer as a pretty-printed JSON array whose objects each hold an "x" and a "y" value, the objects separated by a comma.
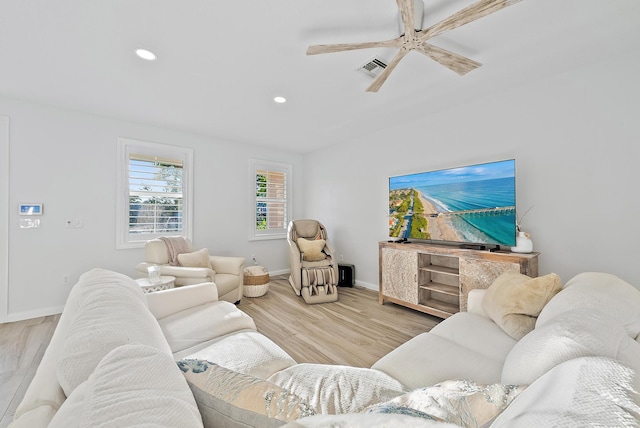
[
  {"x": 22, "y": 345},
  {"x": 354, "y": 331}
]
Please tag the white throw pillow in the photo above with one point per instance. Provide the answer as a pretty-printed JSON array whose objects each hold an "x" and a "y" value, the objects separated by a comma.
[
  {"x": 574, "y": 334},
  {"x": 338, "y": 389},
  {"x": 312, "y": 250},
  {"x": 133, "y": 385},
  {"x": 462, "y": 402},
  {"x": 588, "y": 391},
  {"x": 198, "y": 258},
  {"x": 513, "y": 300},
  {"x": 598, "y": 291},
  {"x": 107, "y": 318}
]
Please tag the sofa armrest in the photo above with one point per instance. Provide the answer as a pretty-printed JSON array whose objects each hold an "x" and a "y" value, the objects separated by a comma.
[
  {"x": 178, "y": 271},
  {"x": 167, "y": 302},
  {"x": 228, "y": 265},
  {"x": 474, "y": 302}
]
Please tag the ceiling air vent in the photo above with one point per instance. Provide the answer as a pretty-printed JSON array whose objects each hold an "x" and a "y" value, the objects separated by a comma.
[{"x": 373, "y": 68}]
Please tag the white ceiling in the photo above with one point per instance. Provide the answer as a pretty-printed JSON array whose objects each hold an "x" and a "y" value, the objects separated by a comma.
[{"x": 221, "y": 62}]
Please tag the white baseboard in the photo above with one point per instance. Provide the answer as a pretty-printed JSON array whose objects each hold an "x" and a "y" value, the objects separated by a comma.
[
  {"x": 37, "y": 313},
  {"x": 368, "y": 285},
  {"x": 363, "y": 284}
]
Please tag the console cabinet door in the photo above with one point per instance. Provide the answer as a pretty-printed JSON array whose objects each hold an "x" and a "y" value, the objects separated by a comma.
[{"x": 399, "y": 275}]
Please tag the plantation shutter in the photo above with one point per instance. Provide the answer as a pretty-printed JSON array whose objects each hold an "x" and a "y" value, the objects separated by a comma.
[
  {"x": 271, "y": 199},
  {"x": 155, "y": 195}
]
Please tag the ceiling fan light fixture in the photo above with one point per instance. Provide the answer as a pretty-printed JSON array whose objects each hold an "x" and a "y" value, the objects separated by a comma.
[
  {"x": 146, "y": 54},
  {"x": 279, "y": 100}
]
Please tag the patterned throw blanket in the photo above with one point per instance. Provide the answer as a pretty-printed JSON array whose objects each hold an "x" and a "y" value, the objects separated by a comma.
[{"x": 175, "y": 245}]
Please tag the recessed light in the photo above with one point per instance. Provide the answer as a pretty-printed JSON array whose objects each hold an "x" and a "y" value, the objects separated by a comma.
[
  {"x": 146, "y": 54},
  {"x": 280, "y": 100}
]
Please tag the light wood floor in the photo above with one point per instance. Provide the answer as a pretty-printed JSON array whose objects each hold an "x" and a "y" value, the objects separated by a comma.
[
  {"x": 22, "y": 345},
  {"x": 354, "y": 331}
]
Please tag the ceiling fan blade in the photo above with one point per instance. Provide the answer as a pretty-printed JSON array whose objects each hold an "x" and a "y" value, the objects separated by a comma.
[
  {"x": 452, "y": 61},
  {"x": 465, "y": 16},
  {"x": 406, "y": 12},
  {"x": 342, "y": 47},
  {"x": 382, "y": 77}
]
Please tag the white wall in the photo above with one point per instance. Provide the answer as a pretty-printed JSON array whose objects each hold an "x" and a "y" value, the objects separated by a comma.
[
  {"x": 67, "y": 161},
  {"x": 576, "y": 141},
  {"x": 574, "y": 136}
]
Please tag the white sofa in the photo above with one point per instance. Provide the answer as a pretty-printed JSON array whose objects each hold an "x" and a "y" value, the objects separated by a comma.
[
  {"x": 108, "y": 327},
  {"x": 578, "y": 367}
]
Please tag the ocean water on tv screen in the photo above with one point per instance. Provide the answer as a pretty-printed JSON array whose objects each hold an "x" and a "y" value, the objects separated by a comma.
[{"x": 475, "y": 195}]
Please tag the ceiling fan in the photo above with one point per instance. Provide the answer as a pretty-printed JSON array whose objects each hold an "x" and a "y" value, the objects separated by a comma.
[{"x": 413, "y": 39}]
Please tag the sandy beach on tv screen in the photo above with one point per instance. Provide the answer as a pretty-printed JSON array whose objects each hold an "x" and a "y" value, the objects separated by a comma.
[{"x": 439, "y": 228}]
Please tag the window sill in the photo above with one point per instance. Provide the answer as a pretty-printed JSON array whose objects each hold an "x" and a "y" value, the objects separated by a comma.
[{"x": 267, "y": 237}]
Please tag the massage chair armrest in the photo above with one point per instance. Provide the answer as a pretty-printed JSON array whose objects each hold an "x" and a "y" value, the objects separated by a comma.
[
  {"x": 228, "y": 265},
  {"x": 474, "y": 302},
  {"x": 295, "y": 256},
  {"x": 167, "y": 302}
]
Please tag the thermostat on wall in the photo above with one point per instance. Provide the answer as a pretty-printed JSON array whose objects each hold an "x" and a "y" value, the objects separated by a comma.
[{"x": 29, "y": 209}]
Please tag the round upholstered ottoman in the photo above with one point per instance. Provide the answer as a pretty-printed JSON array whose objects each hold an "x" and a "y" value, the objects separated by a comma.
[{"x": 256, "y": 281}]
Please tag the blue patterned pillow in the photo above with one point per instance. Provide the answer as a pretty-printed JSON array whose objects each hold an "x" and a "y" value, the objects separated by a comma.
[{"x": 233, "y": 397}]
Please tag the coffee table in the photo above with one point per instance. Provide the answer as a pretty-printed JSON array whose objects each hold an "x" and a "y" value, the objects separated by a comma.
[{"x": 166, "y": 282}]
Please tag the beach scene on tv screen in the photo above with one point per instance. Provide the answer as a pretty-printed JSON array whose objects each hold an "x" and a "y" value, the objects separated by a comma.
[{"x": 471, "y": 204}]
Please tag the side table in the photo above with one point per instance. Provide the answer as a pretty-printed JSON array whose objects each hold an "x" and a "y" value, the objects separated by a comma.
[
  {"x": 166, "y": 282},
  {"x": 256, "y": 281}
]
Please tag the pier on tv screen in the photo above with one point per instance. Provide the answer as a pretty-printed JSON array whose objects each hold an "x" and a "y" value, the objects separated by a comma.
[{"x": 473, "y": 204}]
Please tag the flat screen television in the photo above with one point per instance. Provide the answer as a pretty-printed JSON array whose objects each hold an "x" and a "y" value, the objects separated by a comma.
[{"x": 473, "y": 204}]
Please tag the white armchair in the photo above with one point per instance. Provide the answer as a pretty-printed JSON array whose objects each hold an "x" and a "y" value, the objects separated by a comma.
[{"x": 225, "y": 272}]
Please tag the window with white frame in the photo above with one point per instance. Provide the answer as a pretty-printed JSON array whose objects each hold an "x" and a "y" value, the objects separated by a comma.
[
  {"x": 154, "y": 192},
  {"x": 270, "y": 199}
]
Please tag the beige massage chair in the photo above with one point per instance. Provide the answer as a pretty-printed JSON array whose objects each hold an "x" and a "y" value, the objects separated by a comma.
[{"x": 314, "y": 270}]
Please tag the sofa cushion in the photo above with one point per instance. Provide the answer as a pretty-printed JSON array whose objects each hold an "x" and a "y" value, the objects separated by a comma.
[
  {"x": 260, "y": 356},
  {"x": 461, "y": 402},
  {"x": 227, "y": 398},
  {"x": 600, "y": 291},
  {"x": 338, "y": 389},
  {"x": 587, "y": 391},
  {"x": 198, "y": 258},
  {"x": 311, "y": 249},
  {"x": 573, "y": 334},
  {"x": 109, "y": 316},
  {"x": 199, "y": 324},
  {"x": 132, "y": 385},
  {"x": 513, "y": 300},
  {"x": 476, "y": 333},
  {"x": 460, "y": 353}
]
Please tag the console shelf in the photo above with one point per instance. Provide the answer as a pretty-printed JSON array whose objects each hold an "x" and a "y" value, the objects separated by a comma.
[{"x": 436, "y": 279}]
